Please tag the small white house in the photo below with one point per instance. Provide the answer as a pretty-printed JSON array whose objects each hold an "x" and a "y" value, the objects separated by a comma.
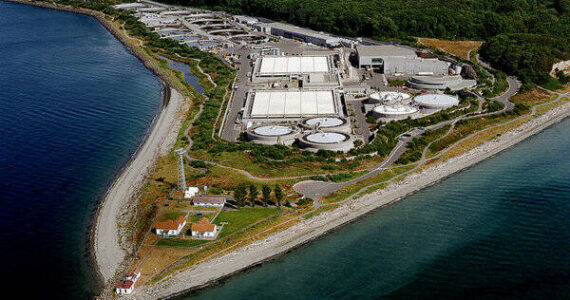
[
  {"x": 127, "y": 285},
  {"x": 170, "y": 227},
  {"x": 124, "y": 287},
  {"x": 215, "y": 201},
  {"x": 204, "y": 229}
]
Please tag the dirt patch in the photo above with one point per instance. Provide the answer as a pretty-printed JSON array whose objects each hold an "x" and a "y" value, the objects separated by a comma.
[{"x": 457, "y": 48}]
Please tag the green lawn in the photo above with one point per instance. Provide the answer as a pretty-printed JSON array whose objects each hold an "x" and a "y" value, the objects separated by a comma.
[
  {"x": 244, "y": 217},
  {"x": 170, "y": 215},
  {"x": 174, "y": 242}
]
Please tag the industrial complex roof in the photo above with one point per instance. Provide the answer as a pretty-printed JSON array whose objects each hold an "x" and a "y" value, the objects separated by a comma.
[
  {"x": 385, "y": 50},
  {"x": 303, "y": 31},
  {"x": 293, "y": 64},
  {"x": 282, "y": 103}
]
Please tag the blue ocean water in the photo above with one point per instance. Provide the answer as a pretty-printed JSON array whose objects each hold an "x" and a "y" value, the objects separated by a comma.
[
  {"x": 74, "y": 106},
  {"x": 499, "y": 230}
]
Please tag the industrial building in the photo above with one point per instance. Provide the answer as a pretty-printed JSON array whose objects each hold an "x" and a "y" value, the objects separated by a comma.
[
  {"x": 454, "y": 82},
  {"x": 297, "y": 33},
  {"x": 296, "y": 71},
  {"x": 266, "y": 106},
  {"x": 396, "y": 60}
]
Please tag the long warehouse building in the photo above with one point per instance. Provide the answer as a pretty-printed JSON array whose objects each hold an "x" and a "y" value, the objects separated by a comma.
[
  {"x": 392, "y": 60},
  {"x": 264, "y": 106}
]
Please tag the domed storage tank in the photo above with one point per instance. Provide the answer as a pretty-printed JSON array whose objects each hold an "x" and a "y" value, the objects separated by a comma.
[
  {"x": 334, "y": 141},
  {"x": 328, "y": 123},
  {"x": 436, "y": 101},
  {"x": 395, "y": 112},
  {"x": 272, "y": 135},
  {"x": 388, "y": 96}
]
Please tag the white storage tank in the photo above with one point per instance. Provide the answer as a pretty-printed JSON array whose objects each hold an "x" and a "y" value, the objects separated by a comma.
[
  {"x": 332, "y": 140},
  {"x": 387, "y": 96},
  {"x": 395, "y": 112},
  {"x": 329, "y": 123},
  {"x": 436, "y": 101},
  {"x": 273, "y": 135}
]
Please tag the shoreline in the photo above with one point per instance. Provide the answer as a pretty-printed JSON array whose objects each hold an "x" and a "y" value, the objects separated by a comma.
[
  {"x": 221, "y": 268},
  {"x": 159, "y": 140}
]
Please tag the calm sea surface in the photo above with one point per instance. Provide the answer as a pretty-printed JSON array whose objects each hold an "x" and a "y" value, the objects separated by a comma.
[
  {"x": 498, "y": 230},
  {"x": 74, "y": 106}
]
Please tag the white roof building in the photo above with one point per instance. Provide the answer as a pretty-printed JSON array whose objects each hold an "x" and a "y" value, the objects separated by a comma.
[
  {"x": 271, "y": 65},
  {"x": 293, "y": 103}
]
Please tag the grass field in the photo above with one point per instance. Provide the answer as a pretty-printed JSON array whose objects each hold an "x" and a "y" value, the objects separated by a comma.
[
  {"x": 174, "y": 242},
  {"x": 457, "y": 48},
  {"x": 245, "y": 216},
  {"x": 350, "y": 190}
]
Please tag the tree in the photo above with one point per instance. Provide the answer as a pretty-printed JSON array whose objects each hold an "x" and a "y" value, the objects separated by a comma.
[
  {"x": 253, "y": 193},
  {"x": 266, "y": 194},
  {"x": 240, "y": 194},
  {"x": 278, "y": 194}
]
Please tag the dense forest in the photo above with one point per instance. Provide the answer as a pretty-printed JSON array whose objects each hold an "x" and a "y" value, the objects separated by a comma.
[
  {"x": 528, "y": 56},
  {"x": 448, "y": 19}
]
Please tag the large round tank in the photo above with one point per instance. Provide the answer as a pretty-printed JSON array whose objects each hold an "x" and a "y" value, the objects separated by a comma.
[
  {"x": 394, "y": 112},
  {"x": 272, "y": 135},
  {"x": 328, "y": 123},
  {"x": 436, "y": 101},
  {"x": 333, "y": 140},
  {"x": 388, "y": 97}
]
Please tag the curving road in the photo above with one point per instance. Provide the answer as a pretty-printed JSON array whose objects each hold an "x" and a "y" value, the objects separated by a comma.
[{"x": 315, "y": 189}]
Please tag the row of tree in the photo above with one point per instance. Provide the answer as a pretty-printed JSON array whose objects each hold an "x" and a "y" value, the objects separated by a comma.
[{"x": 249, "y": 195}]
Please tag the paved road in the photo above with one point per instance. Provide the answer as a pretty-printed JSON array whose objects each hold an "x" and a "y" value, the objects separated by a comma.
[
  {"x": 314, "y": 189},
  {"x": 231, "y": 129}
]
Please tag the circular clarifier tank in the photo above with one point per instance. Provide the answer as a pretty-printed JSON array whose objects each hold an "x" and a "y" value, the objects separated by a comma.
[
  {"x": 272, "y": 130},
  {"x": 332, "y": 123},
  {"x": 272, "y": 135},
  {"x": 327, "y": 137},
  {"x": 388, "y": 96},
  {"x": 334, "y": 141},
  {"x": 436, "y": 101},
  {"x": 394, "y": 110}
]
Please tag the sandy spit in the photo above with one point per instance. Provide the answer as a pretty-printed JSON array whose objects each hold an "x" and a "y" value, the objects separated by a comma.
[
  {"x": 262, "y": 250},
  {"x": 107, "y": 243},
  {"x": 109, "y": 250}
]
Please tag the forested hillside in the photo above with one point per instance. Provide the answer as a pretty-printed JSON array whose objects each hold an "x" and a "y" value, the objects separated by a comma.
[
  {"x": 449, "y": 19},
  {"x": 472, "y": 19},
  {"x": 528, "y": 56}
]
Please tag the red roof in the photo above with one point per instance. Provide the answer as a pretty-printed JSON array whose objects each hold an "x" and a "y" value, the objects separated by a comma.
[
  {"x": 125, "y": 284},
  {"x": 170, "y": 224},
  {"x": 203, "y": 225}
]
